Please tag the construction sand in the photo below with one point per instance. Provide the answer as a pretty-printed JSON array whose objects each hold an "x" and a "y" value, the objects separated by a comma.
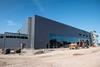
[{"x": 58, "y": 58}]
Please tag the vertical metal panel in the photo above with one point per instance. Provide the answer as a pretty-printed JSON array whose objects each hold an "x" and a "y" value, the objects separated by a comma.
[{"x": 31, "y": 27}]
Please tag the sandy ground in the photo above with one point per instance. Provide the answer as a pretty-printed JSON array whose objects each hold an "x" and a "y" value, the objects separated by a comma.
[{"x": 57, "y": 58}]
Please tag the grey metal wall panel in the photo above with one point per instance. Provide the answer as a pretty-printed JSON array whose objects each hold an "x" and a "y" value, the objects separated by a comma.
[
  {"x": 15, "y": 43},
  {"x": 31, "y": 27},
  {"x": 1, "y": 43}
]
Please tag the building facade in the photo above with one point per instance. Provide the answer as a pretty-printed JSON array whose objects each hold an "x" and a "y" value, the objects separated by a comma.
[{"x": 41, "y": 30}]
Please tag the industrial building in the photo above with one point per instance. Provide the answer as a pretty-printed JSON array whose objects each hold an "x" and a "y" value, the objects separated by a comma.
[
  {"x": 41, "y": 31},
  {"x": 10, "y": 40},
  {"x": 38, "y": 32}
]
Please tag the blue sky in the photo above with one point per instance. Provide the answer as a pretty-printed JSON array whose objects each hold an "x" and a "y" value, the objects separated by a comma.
[{"x": 83, "y": 14}]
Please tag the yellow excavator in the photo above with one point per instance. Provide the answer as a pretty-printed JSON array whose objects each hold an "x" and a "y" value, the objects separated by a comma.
[{"x": 73, "y": 46}]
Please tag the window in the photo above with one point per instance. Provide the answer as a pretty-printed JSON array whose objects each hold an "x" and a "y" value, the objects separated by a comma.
[
  {"x": 23, "y": 37},
  {"x": 61, "y": 38},
  {"x": 7, "y": 36},
  {"x": 1, "y": 36},
  {"x": 83, "y": 34},
  {"x": 86, "y": 35},
  {"x": 17, "y": 36},
  {"x": 80, "y": 34},
  {"x": 14, "y": 37},
  {"x": 26, "y": 37},
  {"x": 10, "y": 36}
]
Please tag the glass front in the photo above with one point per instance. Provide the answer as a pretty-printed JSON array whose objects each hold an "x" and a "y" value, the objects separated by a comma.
[
  {"x": 57, "y": 41},
  {"x": 61, "y": 38}
]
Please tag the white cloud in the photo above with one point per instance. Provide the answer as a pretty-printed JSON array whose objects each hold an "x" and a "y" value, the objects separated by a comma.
[
  {"x": 39, "y": 5},
  {"x": 11, "y": 23}
]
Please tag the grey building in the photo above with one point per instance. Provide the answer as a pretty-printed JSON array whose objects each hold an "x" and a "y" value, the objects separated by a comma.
[
  {"x": 10, "y": 40},
  {"x": 41, "y": 31}
]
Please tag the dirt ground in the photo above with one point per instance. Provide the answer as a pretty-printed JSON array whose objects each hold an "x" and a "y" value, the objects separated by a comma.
[{"x": 58, "y": 58}]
